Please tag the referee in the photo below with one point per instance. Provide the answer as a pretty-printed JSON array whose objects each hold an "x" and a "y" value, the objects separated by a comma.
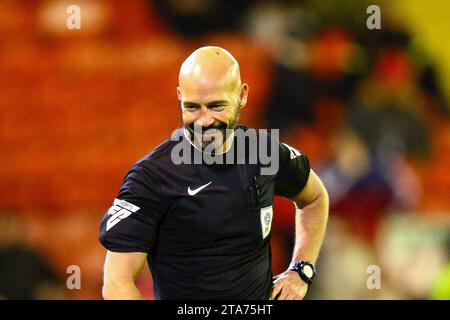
[{"x": 204, "y": 228}]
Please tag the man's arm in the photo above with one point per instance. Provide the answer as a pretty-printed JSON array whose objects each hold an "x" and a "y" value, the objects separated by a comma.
[
  {"x": 120, "y": 272},
  {"x": 310, "y": 223},
  {"x": 311, "y": 217}
]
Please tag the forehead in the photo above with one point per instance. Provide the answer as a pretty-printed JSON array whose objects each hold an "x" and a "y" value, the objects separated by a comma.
[{"x": 206, "y": 91}]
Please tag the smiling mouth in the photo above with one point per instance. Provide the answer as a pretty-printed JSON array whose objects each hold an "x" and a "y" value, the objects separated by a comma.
[{"x": 208, "y": 132}]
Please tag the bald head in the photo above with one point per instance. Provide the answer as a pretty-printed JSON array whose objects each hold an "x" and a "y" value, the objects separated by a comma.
[
  {"x": 210, "y": 68},
  {"x": 210, "y": 90}
]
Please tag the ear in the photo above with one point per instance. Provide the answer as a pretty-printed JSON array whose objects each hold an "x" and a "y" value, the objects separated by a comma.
[
  {"x": 243, "y": 95},
  {"x": 179, "y": 98},
  {"x": 179, "y": 93}
]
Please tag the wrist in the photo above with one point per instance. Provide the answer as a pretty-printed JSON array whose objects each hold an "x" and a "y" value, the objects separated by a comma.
[{"x": 304, "y": 269}]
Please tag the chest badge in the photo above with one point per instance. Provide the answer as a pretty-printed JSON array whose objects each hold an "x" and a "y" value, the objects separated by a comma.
[{"x": 266, "y": 220}]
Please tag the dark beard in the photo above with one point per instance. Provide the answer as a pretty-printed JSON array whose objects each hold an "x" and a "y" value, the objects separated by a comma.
[{"x": 219, "y": 125}]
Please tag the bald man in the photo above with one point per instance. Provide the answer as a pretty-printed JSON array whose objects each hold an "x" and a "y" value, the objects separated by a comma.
[{"x": 204, "y": 228}]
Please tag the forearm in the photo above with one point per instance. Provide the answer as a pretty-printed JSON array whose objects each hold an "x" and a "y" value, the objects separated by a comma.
[
  {"x": 310, "y": 225},
  {"x": 120, "y": 271},
  {"x": 121, "y": 290}
]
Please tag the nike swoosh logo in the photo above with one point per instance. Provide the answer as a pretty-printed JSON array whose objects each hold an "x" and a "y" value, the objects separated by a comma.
[{"x": 195, "y": 191}]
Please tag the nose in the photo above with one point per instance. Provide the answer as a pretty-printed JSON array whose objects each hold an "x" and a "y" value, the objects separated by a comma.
[{"x": 204, "y": 119}]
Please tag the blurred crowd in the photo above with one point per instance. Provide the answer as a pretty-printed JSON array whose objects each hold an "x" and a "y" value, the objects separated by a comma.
[{"x": 368, "y": 107}]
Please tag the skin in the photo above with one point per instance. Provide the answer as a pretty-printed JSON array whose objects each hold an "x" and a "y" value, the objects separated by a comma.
[
  {"x": 119, "y": 274},
  {"x": 211, "y": 94}
]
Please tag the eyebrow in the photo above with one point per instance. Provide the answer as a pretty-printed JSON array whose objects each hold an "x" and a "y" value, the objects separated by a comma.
[{"x": 208, "y": 104}]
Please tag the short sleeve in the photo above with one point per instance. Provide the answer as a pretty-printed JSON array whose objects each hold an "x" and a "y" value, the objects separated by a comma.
[
  {"x": 293, "y": 172},
  {"x": 131, "y": 224}
]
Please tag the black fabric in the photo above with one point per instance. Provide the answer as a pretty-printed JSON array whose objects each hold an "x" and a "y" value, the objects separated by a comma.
[
  {"x": 209, "y": 245},
  {"x": 293, "y": 173}
]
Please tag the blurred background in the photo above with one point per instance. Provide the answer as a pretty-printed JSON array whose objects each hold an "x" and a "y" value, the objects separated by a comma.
[{"x": 369, "y": 107}]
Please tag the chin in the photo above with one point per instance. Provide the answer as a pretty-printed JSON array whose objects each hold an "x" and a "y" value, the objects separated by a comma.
[{"x": 210, "y": 145}]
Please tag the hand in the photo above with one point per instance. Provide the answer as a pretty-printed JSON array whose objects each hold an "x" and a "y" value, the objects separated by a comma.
[{"x": 289, "y": 286}]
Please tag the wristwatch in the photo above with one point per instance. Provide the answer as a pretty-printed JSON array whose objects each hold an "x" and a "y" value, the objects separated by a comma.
[{"x": 304, "y": 269}]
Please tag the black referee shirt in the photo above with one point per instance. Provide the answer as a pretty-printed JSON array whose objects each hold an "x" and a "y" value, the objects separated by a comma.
[{"x": 206, "y": 228}]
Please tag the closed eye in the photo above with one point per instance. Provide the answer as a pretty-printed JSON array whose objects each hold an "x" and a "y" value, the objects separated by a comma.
[
  {"x": 191, "y": 107},
  {"x": 216, "y": 107}
]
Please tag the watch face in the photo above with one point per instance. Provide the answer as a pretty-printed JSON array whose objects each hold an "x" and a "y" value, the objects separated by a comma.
[{"x": 308, "y": 271}]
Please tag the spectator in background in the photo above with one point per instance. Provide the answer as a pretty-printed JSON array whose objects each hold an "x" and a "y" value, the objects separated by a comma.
[
  {"x": 24, "y": 274},
  {"x": 197, "y": 17}
]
